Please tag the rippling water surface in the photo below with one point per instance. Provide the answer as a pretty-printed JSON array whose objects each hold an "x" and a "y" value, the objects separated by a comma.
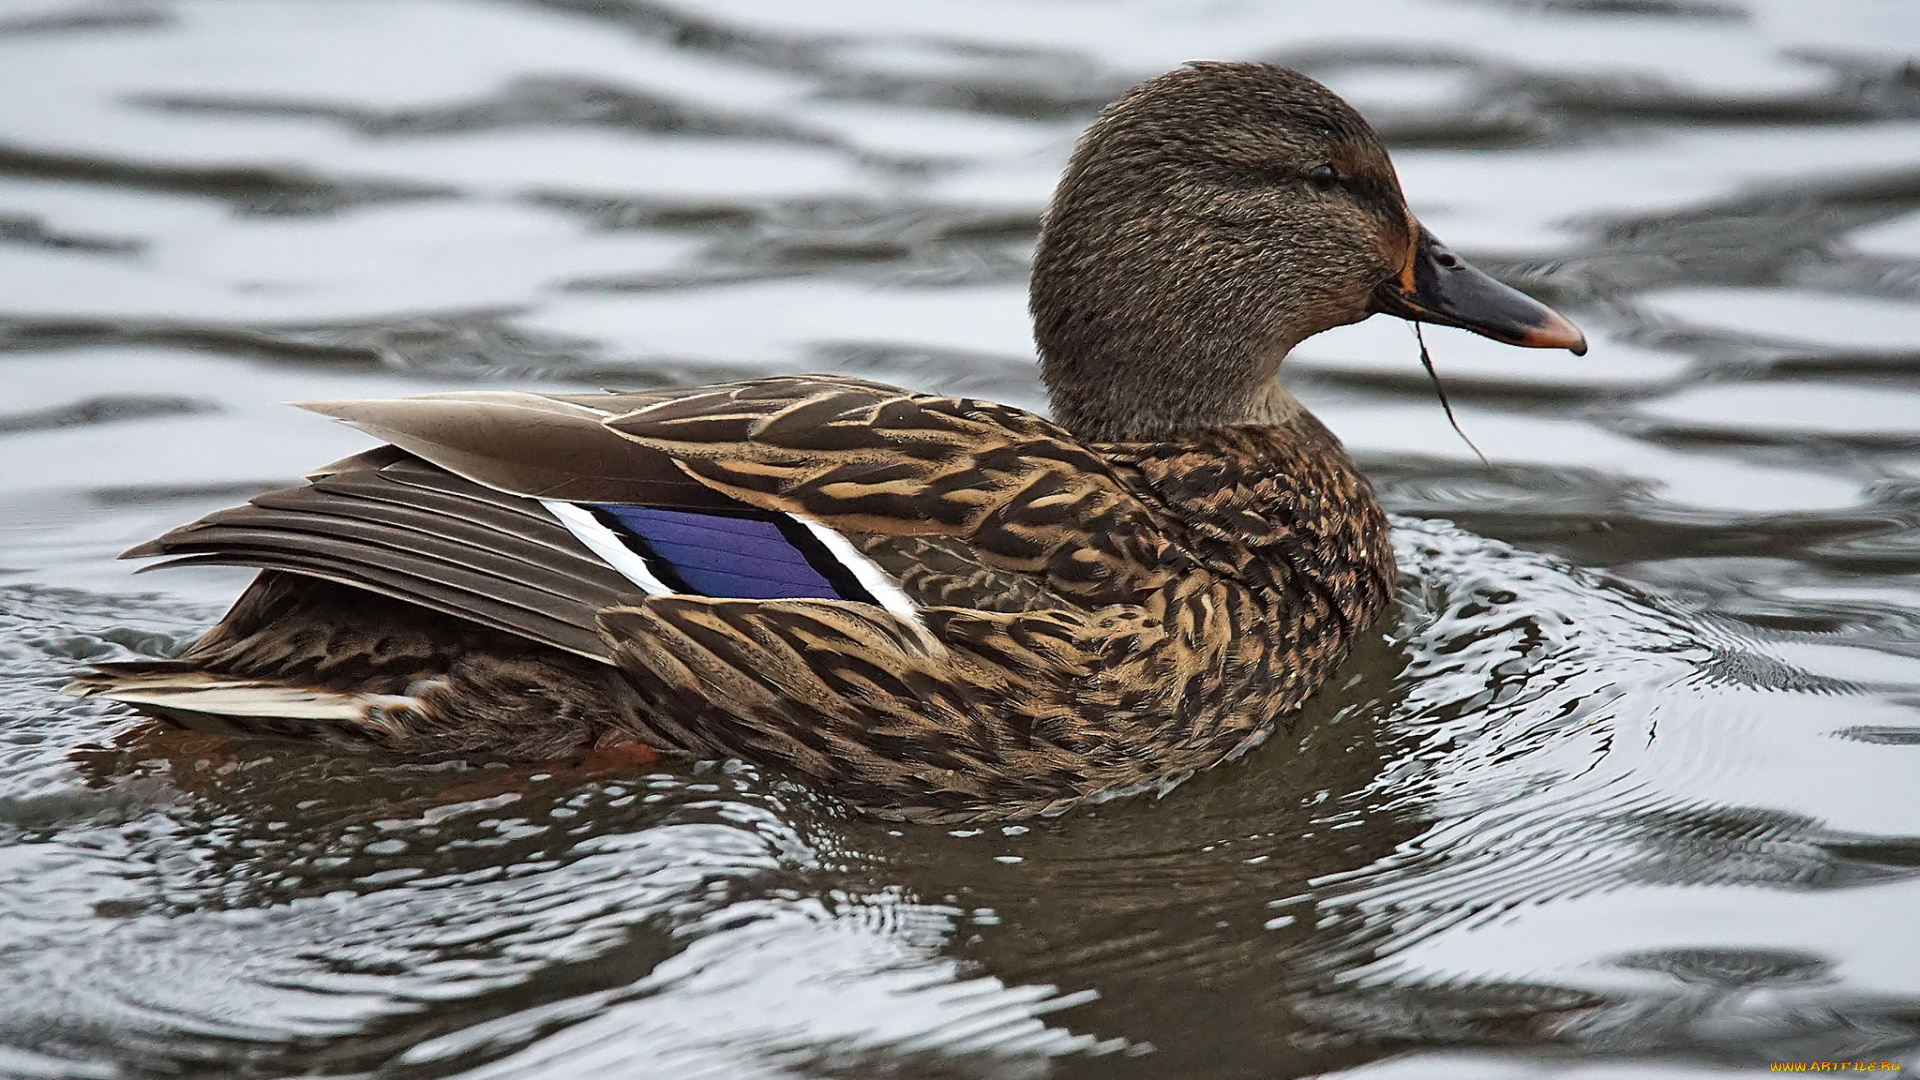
[{"x": 1626, "y": 788}]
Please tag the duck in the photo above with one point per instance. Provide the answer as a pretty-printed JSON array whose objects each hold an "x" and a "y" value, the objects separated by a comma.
[{"x": 933, "y": 609}]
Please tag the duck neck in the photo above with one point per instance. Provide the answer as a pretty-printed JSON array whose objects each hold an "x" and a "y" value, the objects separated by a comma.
[
  {"x": 1272, "y": 406},
  {"x": 1142, "y": 341},
  {"x": 1161, "y": 396}
]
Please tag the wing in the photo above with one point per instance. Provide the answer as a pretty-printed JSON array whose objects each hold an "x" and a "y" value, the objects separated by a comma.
[
  {"x": 1021, "y": 495},
  {"x": 531, "y": 513},
  {"x": 967, "y": 502}
]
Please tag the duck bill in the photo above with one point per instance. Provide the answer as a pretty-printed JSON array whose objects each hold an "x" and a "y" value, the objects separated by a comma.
[{"x": 1438, "y": 286}]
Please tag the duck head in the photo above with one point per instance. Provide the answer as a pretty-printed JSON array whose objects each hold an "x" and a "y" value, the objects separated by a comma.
[{"x": 1212, "y": 219}]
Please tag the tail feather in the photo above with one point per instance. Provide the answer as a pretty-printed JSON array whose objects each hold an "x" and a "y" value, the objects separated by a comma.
[
  {"x": 303, "y": 657},
  {"x": 212, "y": 702}
]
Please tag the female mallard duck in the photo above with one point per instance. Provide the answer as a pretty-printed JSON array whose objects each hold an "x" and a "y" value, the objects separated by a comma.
[{"x": 939, "y": 609}]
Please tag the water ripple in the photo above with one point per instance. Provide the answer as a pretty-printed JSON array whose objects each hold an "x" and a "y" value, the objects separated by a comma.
[{"x": 1624, "y": 786}]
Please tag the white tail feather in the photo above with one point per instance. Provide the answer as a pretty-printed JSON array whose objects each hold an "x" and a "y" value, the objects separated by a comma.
[{"x": 197, "y": 692}]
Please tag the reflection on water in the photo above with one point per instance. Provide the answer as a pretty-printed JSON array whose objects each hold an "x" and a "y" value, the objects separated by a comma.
[{"x": 1624, "y": 788}]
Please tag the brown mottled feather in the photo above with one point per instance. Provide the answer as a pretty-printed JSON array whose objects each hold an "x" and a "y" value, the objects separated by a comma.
[
  {"x": 876, "y": 461},
  {"x": 1096, "y": 618},
  {"x": 404, "y": 678}
]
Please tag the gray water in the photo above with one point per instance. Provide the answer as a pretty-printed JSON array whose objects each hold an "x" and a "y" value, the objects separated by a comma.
[{"x": 1624, "y": 789}]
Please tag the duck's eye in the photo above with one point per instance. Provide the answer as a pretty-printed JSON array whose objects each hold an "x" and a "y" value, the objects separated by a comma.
[{"x": 1324, "y": 177}]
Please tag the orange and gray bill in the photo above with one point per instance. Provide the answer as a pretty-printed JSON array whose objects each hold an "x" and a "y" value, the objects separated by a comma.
[{"x": 1438, "y": 286}]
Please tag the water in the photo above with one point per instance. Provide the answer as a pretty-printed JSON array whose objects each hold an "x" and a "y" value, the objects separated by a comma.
[{"x": 1624, "y": 789}]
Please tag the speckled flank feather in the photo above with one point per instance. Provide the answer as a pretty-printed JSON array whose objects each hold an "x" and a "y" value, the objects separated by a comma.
[
  {"x": 1153, "y": 654},
  {"x": 1006, "y": 614}
]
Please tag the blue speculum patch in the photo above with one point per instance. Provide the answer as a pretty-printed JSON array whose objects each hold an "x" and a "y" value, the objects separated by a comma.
[{"x": 750, "y": 558}]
